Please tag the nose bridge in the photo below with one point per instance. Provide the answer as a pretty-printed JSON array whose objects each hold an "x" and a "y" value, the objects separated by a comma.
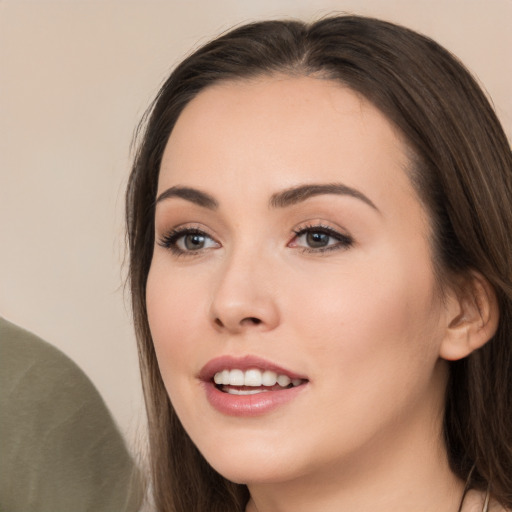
[{"x": 243, "y": 297}]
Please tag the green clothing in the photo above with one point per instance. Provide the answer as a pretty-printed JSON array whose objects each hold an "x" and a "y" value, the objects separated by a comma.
[{"x": 60, "y": 450}]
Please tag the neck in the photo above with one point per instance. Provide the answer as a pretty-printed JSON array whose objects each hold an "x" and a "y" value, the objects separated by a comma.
[{"x": 419, "y": 482}]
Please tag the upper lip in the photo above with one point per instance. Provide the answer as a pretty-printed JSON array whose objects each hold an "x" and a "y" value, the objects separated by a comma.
[{"x": 243, "y": 363}]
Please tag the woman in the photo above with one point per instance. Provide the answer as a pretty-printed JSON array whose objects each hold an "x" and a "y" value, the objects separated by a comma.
[{"x": 319, "y": 225}]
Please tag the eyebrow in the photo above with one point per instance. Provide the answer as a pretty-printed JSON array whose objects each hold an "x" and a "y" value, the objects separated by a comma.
[
  {"x": 283, "y": 199},
  {"x": 190, "y": 194},
  {"x": 298, "y": 194}
]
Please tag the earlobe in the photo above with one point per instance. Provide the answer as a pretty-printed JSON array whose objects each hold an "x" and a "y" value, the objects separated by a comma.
[{"x": 472, "y": 317}]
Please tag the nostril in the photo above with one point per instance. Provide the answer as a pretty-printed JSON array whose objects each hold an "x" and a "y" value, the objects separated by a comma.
[
  {"x": 247, "y": 321},
  {"x": 252, "y": 320}
]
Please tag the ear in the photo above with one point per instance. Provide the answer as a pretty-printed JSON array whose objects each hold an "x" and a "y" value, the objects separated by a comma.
[{"x": 472, "y": 316}]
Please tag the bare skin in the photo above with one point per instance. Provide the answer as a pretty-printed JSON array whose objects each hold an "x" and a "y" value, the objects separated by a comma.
[
  {"x": 475, "y": 502},
  {"x": 336, "y": 286}
]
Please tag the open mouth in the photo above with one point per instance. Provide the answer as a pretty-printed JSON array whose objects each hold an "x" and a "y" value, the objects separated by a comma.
[
  {"x": 249, "y": 386},
  {"x": 253, "y": 381}
]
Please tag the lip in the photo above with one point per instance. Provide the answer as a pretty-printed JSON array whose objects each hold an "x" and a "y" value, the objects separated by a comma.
[{"x": 247, "y": 405}]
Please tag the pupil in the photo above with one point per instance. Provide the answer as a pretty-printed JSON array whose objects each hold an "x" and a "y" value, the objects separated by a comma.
[
  {"x": 317, "y": 239},
  {"x": 194, "y": 242}
]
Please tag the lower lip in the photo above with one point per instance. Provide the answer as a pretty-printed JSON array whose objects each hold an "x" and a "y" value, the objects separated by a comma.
[{"x": 249, "y": 405}]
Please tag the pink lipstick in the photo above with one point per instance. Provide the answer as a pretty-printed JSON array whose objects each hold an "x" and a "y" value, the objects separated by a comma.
[{"x": 249, "y": 386}]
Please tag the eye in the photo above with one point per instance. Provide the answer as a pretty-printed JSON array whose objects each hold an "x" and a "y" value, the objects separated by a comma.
[
  {"x": 187, "y": 241},
  {"x": 320, "y": 239}
]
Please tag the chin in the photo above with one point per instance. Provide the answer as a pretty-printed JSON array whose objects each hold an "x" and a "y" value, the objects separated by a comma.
[
  {"x": 255, "y": 463},
  {"x": 250, "y": 473}
]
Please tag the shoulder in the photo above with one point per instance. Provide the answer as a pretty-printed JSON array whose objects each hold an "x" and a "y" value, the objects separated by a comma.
[
  {"x": 25, "y": 355},
  {"x": 45, "y": 392},
  {"x": 39, "y": 380},
  {"x": 60, "y": 445}
]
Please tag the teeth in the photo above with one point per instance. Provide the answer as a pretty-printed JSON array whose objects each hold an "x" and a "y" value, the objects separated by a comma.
[
  {"x": 234, "y": 391},
  {"x": 236, "y": 378},
  {"x": 284, "y": 380},
  {"x": 254, "y": 378},
  {"x": 269, "y": 378}
]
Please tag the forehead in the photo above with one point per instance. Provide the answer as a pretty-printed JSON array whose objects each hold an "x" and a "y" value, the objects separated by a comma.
[{"x": 281, "y": 131}]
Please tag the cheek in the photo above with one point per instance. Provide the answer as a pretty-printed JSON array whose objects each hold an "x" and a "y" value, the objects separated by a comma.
[
  {"x": 175, "y": 312},
  {"x": 378, "y": 317},
  {"x": 371, "y": 340}
]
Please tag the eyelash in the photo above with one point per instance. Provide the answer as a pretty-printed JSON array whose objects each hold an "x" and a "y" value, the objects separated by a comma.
[
  {"x": 343, "y": 241},
  {"x": 170, "y": 240}
]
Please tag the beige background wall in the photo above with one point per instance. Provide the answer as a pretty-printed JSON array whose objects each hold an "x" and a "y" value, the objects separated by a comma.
[{"x": 75, "y": 77}]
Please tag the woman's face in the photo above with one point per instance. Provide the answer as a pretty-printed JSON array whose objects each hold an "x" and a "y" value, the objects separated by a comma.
[{"x": 290, "y": 245}]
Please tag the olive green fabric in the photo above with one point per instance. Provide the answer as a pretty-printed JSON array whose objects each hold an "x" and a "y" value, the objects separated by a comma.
[{"x": 60, "y": 450}]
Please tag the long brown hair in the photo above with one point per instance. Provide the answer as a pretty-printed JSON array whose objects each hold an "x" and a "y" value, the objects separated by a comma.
[{"x": 461, "y": 166}]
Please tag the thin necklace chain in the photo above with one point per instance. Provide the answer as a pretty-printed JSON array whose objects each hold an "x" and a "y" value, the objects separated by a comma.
[{"x": 487, "y": 499}]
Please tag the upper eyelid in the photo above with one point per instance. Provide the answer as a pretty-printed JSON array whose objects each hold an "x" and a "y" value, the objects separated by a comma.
[
  {"x": 169, "y": 241},
  {"x": 321, "y": 226},
  {"x": 326, "y": 229},
  {"x": 340, "y": 235},
  {"x": 184, "y": 228}
]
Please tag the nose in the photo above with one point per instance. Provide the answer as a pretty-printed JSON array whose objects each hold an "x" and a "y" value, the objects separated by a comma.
[{"x": 245, "y": 298}]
